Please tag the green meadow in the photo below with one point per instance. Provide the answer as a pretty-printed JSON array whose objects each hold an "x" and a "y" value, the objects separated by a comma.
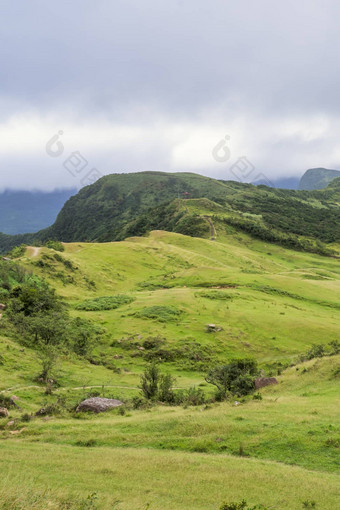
[{"x": 152, "y": 298}]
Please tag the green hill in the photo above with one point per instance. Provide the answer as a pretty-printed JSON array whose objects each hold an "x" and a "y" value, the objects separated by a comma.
[
  {"x": 269, "y": 302},
  {"x": 317, "y": 178},
  {"x": 130, "y": 204}
]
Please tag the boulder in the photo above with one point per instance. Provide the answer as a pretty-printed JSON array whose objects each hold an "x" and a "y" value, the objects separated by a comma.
[
  {"x": 261, "y": 382},
  {"x": 3, "y": 412},
  {"x": 2, "y": 306},
  {"x": 98, "y": 404}
]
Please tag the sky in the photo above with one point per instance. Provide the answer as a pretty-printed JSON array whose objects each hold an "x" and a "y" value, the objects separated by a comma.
[{"x": 241, "y": 90}]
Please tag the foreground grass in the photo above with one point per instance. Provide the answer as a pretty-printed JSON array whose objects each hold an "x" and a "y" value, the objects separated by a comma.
[
  {"x": 296, "y": 422},
  {"x": 166, "y": 480}
]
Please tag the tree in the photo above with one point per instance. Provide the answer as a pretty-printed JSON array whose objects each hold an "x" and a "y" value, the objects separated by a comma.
[
  {"x": 80, "y": 334},
  {"x": 149, "y": 381},
  {"x": 48, "y": 356}
]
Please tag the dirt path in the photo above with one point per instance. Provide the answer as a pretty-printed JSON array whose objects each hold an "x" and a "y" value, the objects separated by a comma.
[
  {"x": 14, "y": 388},
  {"x": 33, "y": 251},
  {"x": 212, "y": 228}
]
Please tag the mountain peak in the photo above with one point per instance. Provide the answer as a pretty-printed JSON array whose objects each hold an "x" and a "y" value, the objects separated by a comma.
[{"x": 317, "y": 178}]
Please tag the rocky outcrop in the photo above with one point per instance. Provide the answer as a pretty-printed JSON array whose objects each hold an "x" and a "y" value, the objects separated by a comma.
[{"x": 98, "y": 404}]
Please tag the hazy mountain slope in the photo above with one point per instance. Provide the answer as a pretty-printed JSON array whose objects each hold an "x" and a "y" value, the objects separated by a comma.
[
  {"x": 25, "y": 211},
  {"x": 317, "y": 178}
]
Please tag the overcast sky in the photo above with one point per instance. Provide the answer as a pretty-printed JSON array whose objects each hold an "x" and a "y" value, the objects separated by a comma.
[{"x": 156, "y": 84}]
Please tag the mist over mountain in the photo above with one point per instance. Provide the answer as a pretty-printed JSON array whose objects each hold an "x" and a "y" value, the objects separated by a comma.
[{"x": 26, "y": 211}]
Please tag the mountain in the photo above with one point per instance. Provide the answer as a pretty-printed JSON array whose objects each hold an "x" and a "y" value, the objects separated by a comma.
[
  {"x": 317, "y": 178},
  {"x": 121, "y": 205},
  {"x": 282, "y": 183},
  {"x": 25, "y": 211}
]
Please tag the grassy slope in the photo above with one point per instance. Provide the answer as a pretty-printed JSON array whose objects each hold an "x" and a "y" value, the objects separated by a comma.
[
  {"x": 296, "y": 423},
  {"x": 281, "y": 301}
]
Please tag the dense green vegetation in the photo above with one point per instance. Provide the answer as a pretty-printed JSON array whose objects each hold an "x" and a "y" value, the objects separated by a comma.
[{"x": 122, "y": 205}]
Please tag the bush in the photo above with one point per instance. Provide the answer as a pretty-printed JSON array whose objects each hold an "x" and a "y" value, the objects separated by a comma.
[
  {"x": 237, "y": 377},
  {"x": 159, "y": 313},
  {"x": 55, "y": 245},
  {"x": 150, "y": 381},
  {"x": 157, "y": 386},
  {"x": 165, "y": 389},
  {"x": 105, "y": 303},
  {"x": 17, "y": 252},
  {"x": 191, "y": 397},
  {"x": 214, "y": 294}
]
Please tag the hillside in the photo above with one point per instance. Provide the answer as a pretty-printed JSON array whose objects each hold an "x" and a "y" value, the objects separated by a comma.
[
  {"x": 269, "y": 303},
  {"x": 130, "y": 204},
  {"x": 317, "y": 178},
  {"x": 25, "y": 211}
]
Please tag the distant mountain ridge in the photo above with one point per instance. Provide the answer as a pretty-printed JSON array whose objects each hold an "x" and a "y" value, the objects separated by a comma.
[
  {"x": 317, "y": 178},
  {"x": 123, "y": 205},
  {"x": 26, "y": 211}
]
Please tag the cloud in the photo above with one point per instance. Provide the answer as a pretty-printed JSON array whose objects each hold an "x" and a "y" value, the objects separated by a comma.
[{"x": 156, "y": 85}]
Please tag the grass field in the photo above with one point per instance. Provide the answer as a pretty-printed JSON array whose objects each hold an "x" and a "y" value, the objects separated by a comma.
[{"x": 271, "y": 303}]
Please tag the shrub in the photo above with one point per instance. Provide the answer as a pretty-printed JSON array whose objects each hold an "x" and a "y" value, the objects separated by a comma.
[
  {"x": 104, "y": 303},
  {"x": 214, "y": 294},
  {"x": 308, "y": 504},
  {"x": 241, "y": 506},
  {"x": 192, "y": 397},
  {"x": 165, "y": 389},
  {"x": 55, "y": 245},
  {"x": 335, "y": 347},
  {"x": 26, "y": 417},
  {"x": 159, "y": 313},
  {"x": 149, "y": 381},
  {"x": 17, "y": 252},
  {"x": 237, "y": 377},
  {"x": 157, "y": 386}
]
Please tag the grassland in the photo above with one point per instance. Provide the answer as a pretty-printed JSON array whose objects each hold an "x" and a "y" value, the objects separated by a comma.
[{"x": 271, "y": 303}]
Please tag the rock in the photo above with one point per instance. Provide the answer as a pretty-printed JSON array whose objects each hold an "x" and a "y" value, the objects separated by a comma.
[
  {"x": 117, "y": 356},
  {"x": 3, "y": 412},
  {"x": 2, "y": 306},
  {"x": 261, "y": 382},
  {"x": 98, "y": 404},
  {"x": 236, "y": 403},
  {"x": 140, "y": 348},
  {"x": 10, "y": 423},
  {"x": 212, "y": 328}
]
